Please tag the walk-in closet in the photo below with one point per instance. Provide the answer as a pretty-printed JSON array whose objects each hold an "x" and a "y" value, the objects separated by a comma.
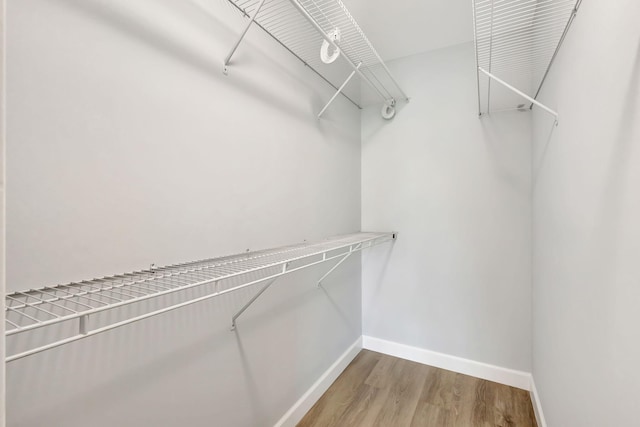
[{"x": 319, "y": 213}]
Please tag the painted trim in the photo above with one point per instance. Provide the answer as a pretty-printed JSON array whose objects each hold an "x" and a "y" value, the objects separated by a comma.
[
  {"x": 3, "y": 204},
  {"x": 304, "y": 404},
  {"x": 537, "y": 404},
  {"x": 510, "y": 377}
]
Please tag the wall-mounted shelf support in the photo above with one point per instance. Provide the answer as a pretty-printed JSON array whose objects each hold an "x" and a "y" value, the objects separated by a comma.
[
  {"x": 339, "y": 91},
  {"x": 333, "y": 43},
  {"x": 343, "y": 259},
  {"x": 225, "y": 69},
  {"x": 252, "y": 300},
  {"x": 518, "y": 41},
  {"x": 303, "y": 26},
  {"x": 45, "y": 309},
  {"x": 519, "y": 92}
]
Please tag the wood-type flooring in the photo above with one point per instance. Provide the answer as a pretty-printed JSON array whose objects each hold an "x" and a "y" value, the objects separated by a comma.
[{"x": 380, "y": 390}]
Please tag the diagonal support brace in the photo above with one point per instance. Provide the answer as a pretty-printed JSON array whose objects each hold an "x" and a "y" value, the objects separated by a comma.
[
  {"x": 352, "y": 249},
  {"x": 251, "y": 301},
  {"x": 522, "y": 94},
  {"x": 353, "y": 73},
  {"x": 333, "y": 44},
  {"x": 255, "y": 297},
  {"x": 244, "y": 33}
]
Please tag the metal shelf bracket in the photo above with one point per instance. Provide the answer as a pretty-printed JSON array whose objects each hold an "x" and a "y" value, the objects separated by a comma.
[
  {"x": 225, "y": 69},
  {"x": 352, "y": 249},
  {"x": 343, "y": 259},
  {"x": 252, "y": 300},
  {"x": 340, "y": 89}
]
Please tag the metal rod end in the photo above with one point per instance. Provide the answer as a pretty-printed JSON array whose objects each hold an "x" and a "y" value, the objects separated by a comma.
[{"x": 225, "y": 70}]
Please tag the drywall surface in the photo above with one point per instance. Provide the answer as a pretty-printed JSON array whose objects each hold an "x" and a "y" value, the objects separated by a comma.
[
  {"x": 127, "y": 146},
  {"x": 411, "y": 27},
  {"x": 457, "y": 189},
  {"x": 2, "y": 217},
  {"x": 586, "y": 224}
]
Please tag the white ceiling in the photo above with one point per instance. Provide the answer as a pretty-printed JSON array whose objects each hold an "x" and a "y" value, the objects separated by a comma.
[{"x": 398, "y": 28}]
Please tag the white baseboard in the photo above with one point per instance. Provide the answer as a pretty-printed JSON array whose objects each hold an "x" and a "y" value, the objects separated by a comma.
[
  {"x": 511, "y": 377},
  {"x": 302, "y": 406},
  {"x": 537, "y": 405}
]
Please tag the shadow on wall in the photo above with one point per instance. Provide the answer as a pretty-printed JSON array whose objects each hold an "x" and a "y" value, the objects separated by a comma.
[
  {"x": 622, "y": 141},
  {"x": 372, "y": 131},
  {"x": 504, "y": 151},
  {"x": 609, "y": 228},
  {"x": 337, "y": 308},
  {"x": 251, "y": 386},
  {"x": 185, "y": 43},
  {"x": 135, "y": 352},
  {"x": 537, "y": 164},
  {"x": 377, "y": 264},
  {"x": 121, "y": 364}
]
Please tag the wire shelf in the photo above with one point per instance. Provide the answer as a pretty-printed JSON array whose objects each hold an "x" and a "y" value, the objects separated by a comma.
[
  {"x": 53, "y": 305},
  {"x": 302, "y": 25},
  {"x": 516, "y": 41}
]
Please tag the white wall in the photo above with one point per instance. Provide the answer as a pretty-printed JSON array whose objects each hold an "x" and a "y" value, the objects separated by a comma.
[
  {"x": 587, "y": 234},
  {"x": 127, "y": 146},
  {"x": 457, "y": 188},
  {"x": 2, "y": 217}
]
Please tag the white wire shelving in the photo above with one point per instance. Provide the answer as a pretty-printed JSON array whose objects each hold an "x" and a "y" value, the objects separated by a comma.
[
  {"x": 305, "y": 27},
  {"x": 516, "y": 44},
  {"x": 77, "y": 304}
]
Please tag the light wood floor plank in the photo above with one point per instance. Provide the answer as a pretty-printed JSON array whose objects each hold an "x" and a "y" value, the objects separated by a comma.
[
  {"x": 404, "y": 392},
  {"x": 381, "y": 376},
  {"x": 438, "y": 388},
  {"x": 365, "y": 409},
  {"x": 427, "y": 414},
  {"x": 342, "y": 392},
  {"x": 464, "y": 408}
]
